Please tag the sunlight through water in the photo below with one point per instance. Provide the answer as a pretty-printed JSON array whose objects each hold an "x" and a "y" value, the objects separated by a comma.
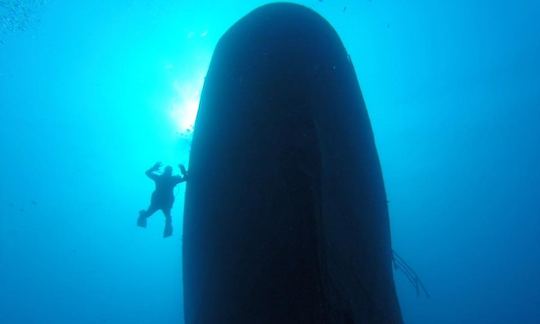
[{"x": 185, "y": 104}]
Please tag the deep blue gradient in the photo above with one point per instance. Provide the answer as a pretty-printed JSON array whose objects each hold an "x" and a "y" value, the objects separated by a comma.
[{"x": 91, "y": 93}]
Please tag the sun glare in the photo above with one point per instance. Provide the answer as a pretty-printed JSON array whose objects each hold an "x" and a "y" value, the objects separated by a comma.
[{"x": 185, "y": 104}]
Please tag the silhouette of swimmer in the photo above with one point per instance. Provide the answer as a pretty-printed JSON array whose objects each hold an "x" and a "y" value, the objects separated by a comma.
[{"x": 163, "y": 195}]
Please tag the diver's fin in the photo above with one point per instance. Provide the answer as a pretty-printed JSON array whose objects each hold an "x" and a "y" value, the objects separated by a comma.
[
  {"x": 168, "y": 231},
  {"x": 141, "y": 221}
]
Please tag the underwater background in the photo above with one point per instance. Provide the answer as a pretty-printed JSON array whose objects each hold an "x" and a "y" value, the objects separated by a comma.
[{"x": 93, "y": 93}]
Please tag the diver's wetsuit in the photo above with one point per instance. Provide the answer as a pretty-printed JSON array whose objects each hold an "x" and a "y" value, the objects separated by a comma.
[{"x": 162, "y": 198}]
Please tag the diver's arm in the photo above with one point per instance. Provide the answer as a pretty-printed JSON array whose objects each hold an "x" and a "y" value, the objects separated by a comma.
[
  {"x": 150, "y": 172},
  {"x": 179, "y": 179}
]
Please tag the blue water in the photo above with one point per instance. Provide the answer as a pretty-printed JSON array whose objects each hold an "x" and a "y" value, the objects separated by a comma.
[{"x": 92, "y": 93}]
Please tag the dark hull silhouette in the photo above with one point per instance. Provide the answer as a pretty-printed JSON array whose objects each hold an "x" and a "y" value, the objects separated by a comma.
[{"x": 286, "y": 216}]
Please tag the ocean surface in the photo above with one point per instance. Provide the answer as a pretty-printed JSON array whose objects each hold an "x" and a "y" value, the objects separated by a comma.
[{"x": 93, "y": 93}]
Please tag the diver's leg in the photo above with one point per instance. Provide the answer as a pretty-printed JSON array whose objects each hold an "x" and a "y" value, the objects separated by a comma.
[
  {"x": 168, "y": 223},
  {"x": 144, "y": 214}
]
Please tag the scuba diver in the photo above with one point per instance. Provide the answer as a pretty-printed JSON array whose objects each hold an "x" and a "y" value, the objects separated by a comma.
[{"x": 163, "y": 195}]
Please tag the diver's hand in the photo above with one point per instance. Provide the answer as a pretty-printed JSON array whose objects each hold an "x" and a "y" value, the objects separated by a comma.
[
  {"x": 183, "y": 169},
  {"x": 156, "y": 166}
]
